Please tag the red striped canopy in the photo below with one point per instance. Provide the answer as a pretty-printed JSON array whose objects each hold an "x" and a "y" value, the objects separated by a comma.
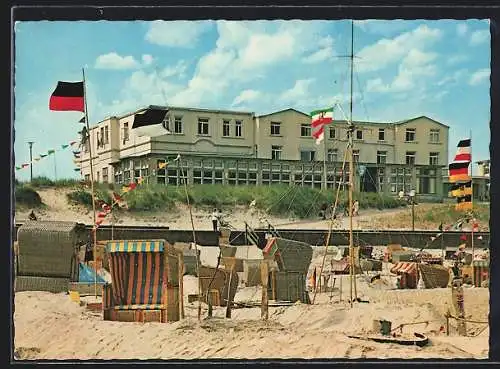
[{"x": 404, "y": 267}]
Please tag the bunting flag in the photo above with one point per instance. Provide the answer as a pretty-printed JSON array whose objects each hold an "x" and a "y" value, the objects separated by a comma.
[
  {"x": 73, "y": 143},
  {"x": 82, "y": 120},
  {"x": 475, "y": 226},
  {"x": 463, "y": 237},
  {"x": 461, "y": 189},
  {"x": 459, "y": 171},
  {"x": 77, "y": 152},
  {"x": 117, "y": 200},
  {"x": 49, "y": 152},
  {"x": 463, "y": 151},
  {"x": 150, "y": 122},
  {"x": 67, "y": 96},
  {"x": 77, "y": 169},
  {"x": 319, "y": 119},
  {"x": 162, "y": 165},
  {"x": 25, "y": 165},
  {"x": 464, "y": 203}
]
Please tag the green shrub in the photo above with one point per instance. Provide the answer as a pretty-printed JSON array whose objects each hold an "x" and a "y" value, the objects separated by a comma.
[
  {"x": 27, "y": 196},
  {"x": 41, "y": 182},
  {"x": 80, "y": 197}
]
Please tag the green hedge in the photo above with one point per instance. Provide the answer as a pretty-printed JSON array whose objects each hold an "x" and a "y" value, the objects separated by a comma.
[
  {"x": 27, "y": 196},
  {"x": 301, "y": 202}
]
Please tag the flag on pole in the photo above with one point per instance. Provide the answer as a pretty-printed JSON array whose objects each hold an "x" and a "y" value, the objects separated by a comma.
[
  {"x": 459, "y": 171},
  {"x": 320, "y": 118},
  {"x": 150, "y": 122},
  {"x": 67, "y": 96},
  {"x": 463, "y": 151}
]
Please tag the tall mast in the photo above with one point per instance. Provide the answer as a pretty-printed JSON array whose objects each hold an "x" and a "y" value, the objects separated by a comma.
[
  {"x": 351, "y": 173},
  {"x": 472, "y": 196}
]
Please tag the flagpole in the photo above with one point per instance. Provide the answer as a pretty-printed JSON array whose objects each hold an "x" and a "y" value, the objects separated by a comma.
[
  {"x": 472, "y": 195},
  {"x": 324, "y": 157},
  {"x": 55, "y": 167},
  {"x": 94, "y": 229}
]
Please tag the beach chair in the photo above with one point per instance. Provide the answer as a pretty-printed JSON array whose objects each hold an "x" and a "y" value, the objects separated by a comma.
[{"x": 146, "y": 282}]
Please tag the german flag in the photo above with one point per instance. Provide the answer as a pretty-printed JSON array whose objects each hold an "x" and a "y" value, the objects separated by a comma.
[
  {"x": 464, "y": 203},
  {"x": 151, "y": 122},
  {"x": 68, "y": 96},
  {"x": 463, "y": 150},
  {"x": 459, "y": 172},
  {"x": 461, "y": 189}
]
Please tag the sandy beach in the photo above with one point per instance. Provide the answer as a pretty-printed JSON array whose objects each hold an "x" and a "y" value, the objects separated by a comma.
[{"x": 50, "y": 326}]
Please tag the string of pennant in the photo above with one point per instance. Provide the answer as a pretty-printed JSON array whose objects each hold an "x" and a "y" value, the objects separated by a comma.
[
  {"x": 51, "y": 152},
  {"x": 117, "y": 201},
  {"x": 456, "y": 226}
]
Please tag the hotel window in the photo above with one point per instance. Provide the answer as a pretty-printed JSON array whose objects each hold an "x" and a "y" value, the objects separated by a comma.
[
  {"x": 105, "y": 175},
  {"x": 410, "y": 134},
  {"x": 276, "y": 152},
  {"x": 307, "y": 155},
  {"x": 178, "y": 124},
  {"x": 106, "y": 135},
  {"x": 381, "y": 134},
  {"x": 275, "y": 128},
  {"x": 225, "y": 128},
  {"x": 359, "y": 134},
  {"x": 305, "y": 130},
  {"x": 381, "y": 157},
  {"x": 203, "y": 126},
  {"x": 238, "y": 125},
  {"x": 434, "y": 136},
  {"x": 333, "y": 132},
  {"x": 332, "y": 155},
  {"x": 125, "y": 132},
  {"x": 100, "y": 138},
  {"x": 355, "y": 154},
  {"x": 434, "y": 158},
  {"x": 410, "y": 158}
]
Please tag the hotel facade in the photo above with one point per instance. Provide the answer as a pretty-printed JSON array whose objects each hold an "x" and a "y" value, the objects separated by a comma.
[{"x": 241, "y": 148}]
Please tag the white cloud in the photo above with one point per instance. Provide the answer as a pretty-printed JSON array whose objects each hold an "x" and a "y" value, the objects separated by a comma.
[
  {"x": 452, "y": 78},
  {"x": 456, "y": 59},
  {"x": 297, "y": 92},
  {"x": 246, "y": 96},
  {"x": 114, "y": 61},
  {"x": 479, "y": 37},
  {"x": 325, "y": 51},
  {"x": 479, "y": 76},
  {"x": 177, "y": 33},
  {"x": 462, "y": 29},
  {"x": 244, "y": 51},
  {"x": 382, "y": 27},
  {"x": 411, "y": 71},
  {"x": 177, "y": 70},
  {"x": 389, "y": 51},
  {"x": 147, "y": 59}
]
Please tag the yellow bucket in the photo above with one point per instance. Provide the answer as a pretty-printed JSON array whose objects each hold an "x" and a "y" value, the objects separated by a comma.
[{"x": 74, "y": 296}]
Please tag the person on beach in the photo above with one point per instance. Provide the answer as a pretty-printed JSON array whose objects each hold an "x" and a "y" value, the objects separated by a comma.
[
  {"x": 215, "y": 219},
  {"x": 32, "y": 215},
  {"x": 355, "y": 208}
]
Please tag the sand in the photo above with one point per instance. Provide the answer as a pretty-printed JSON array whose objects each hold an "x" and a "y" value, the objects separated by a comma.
[{"x": 50, "y": 326}]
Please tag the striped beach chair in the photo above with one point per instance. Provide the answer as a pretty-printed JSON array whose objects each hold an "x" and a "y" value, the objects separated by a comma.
[{"x": 146, "y": 281}]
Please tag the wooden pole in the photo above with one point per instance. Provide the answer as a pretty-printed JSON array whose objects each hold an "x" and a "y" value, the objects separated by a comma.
[
  {"x": 264, "y": 276},
  {"x": 194, "y": 236},
  {"x": 94, "y": 228},
  {"x": 273, "y": 284},
  {"x": 181, "y": 284},
  {"x": 229, "y": 301}
]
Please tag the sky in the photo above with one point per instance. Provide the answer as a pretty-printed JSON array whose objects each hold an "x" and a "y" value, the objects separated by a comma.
[{"x": 402, "y": 69}]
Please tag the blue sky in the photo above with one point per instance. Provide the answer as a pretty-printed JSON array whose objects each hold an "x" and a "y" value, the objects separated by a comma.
[{"x": 403, "y": 69}]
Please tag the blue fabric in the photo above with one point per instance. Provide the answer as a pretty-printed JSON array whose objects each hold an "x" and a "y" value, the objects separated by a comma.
[{"x": 87, "y": 275}]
